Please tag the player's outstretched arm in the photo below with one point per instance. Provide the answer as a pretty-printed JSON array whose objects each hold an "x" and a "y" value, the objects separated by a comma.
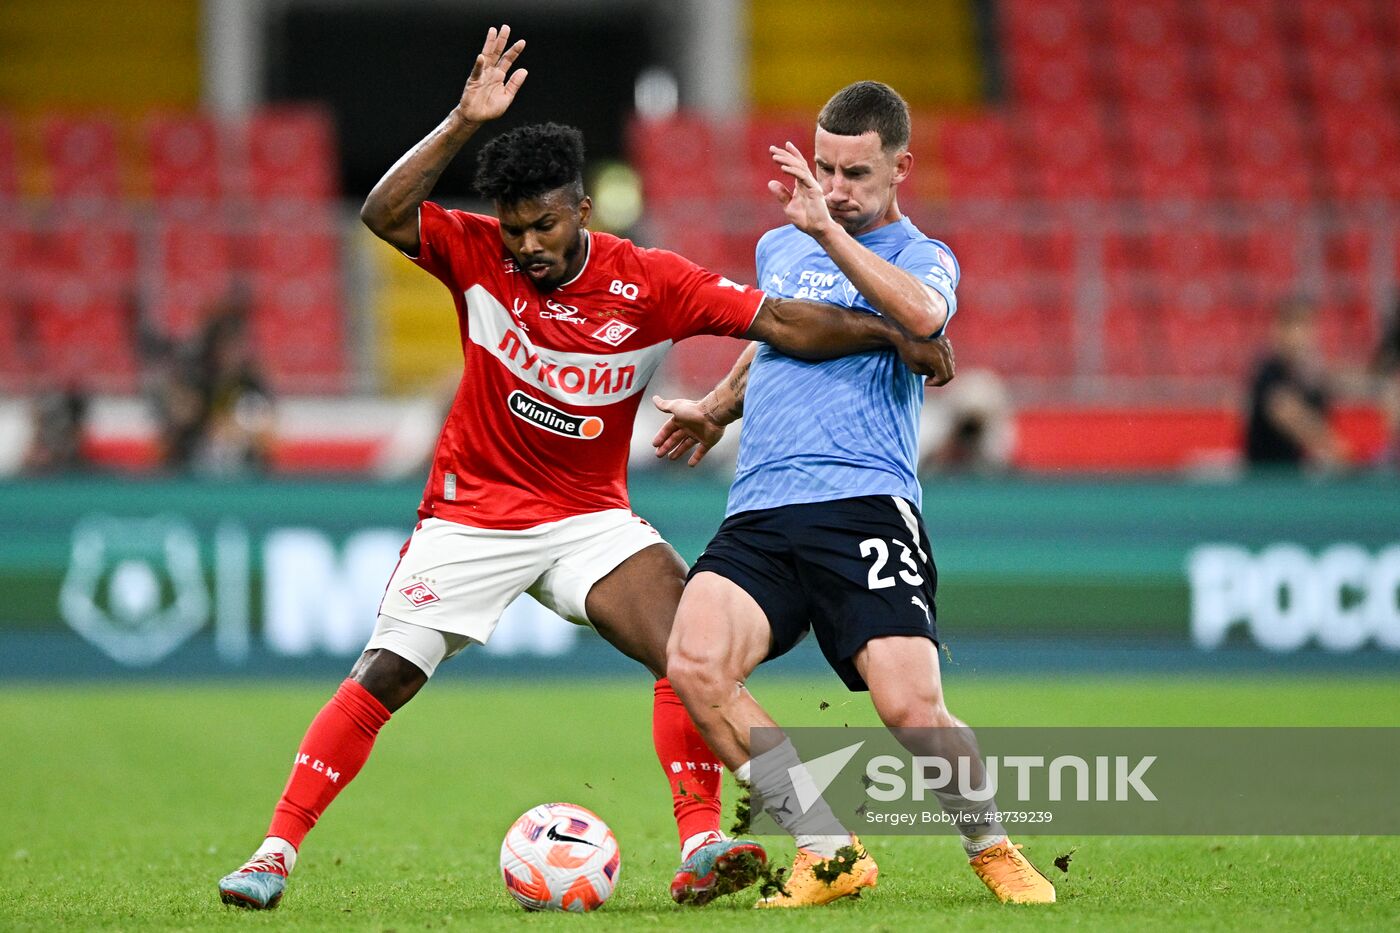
[
  {"x": 892, "y": 291},
  {"x": 391, "y": 209},
  {"x": 700, "y": 424},
  {"x": 811, "y": 330}
]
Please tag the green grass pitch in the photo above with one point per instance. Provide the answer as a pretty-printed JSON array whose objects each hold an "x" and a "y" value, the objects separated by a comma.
[{"x": 120, "y": 807}]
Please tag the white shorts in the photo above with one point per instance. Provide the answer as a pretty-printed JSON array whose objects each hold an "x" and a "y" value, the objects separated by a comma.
[{"x": 454, "y": 581}]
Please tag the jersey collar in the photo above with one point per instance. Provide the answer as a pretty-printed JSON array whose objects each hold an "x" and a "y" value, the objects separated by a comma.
[{"x": 587, "y": 255}]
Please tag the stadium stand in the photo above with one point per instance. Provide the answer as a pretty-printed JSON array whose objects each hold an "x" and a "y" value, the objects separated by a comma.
[
  {"x": 142, "y": 225},
  {"x": 1157, "y": 176},
  {"x": 9, "y": 169},
  {"x": 1161, "y": 171},
  {"x": 187, "y": 158},
  {"x": 82, "y": 158}
]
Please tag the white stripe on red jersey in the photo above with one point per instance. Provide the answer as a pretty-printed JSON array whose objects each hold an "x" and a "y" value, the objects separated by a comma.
[{"x": 541, "y": 423}]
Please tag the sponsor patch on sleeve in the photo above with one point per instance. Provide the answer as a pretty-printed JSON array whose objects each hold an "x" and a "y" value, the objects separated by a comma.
[{"x": 945, "y": 260}]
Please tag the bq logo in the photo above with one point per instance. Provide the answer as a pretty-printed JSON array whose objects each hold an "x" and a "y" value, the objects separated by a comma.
[
  {"x": 1284, "y": 596},
  {"x": 546, "y": 416}
]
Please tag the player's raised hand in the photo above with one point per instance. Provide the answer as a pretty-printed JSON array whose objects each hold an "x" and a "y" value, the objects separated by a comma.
[
  {"x": 804, "y": 203},
  {"x": 930, "y": 358},
  {"x": 492, "y": 87},
  {"x": 688, "y": 427}
]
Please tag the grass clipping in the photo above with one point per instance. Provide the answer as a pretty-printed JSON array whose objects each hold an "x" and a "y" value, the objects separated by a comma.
[
  {"x": 743, "y": 812},
  {"x": 770, "y": 879},
  {"x": 842, "y": 863}
]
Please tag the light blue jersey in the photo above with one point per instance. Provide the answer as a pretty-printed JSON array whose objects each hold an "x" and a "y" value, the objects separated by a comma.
[{"x": 814, "y": 432}]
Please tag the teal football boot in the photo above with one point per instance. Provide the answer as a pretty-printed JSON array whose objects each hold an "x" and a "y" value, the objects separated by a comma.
[
  {"x": 716, "y": 869},
  {"x": 258, "y": 885}
]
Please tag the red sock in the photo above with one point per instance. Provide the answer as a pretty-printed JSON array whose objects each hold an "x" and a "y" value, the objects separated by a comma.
[
  {"x": 693, "y": 770},
  {"x": 335, "y": 748}
]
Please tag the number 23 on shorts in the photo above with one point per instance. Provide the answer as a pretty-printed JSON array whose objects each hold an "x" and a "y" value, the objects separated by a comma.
[{"x": 879, "y": 577}]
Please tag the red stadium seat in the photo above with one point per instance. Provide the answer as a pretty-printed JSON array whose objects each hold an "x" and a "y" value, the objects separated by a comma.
[
  {"x": 298, "y": 310},
  {"x": 1130, "y": 334},
  {"x": 1268, "y": 264},
  {"x": 1355, "y": 80},
  {"x": 14, "y": 355},
  {"x": 1361, "y": 154},
  {"x": 195, "y": 270},
  {"x": 1054, "y": 79},
  {"x": 928, "y": 180},
  {"x": 1270, "y": 259},
  {"x": 1125, "y": 252},
  {"x": 1169, "y": 152},
  {"x": 696, "y": 243},
  {"x": 186, "y": 154},
  {"x": 698, "y": 364},
  {"x": 1043, "y": 26},
  {"x": 84, "y": 337},
  {"x": 1265, "y": 157},
  {"x": 295, "y": 244},
  {"x": 1145, "y": 25},
  {"x": 1204, "y": 334},
  {"x": 1346, "y": 327},
  {"x": 1166, "y": 329},
  {"x": 298, "y": 333},
  {"x": 1242, "y": 28},
  {"x": 1387, "y": 18},
  {"x": 987, "y": 251},
  {"x": 1051, "y": 251},
  {"x": 1339, "y": 29},
  {"x": 14, "y": 253},
  {"x": 1186, "y": 254},
  {"x": 1244, "y": 81},
  {"x": 1027, "y": 336},
  {"x": 1068, "y": 154},
  {"x": 94, "y": 244},
  {"x": 1348, "y": 252},
  {"x": 677, "y": 158},
  {"x": 977, "y": 158},
  {"x": 757, "y": 135},
  {"x": 1160, "y": 77},
  {"x": 82, "y": 157},
  {"x": 291, "y": 155},
  {"x": 9, "y": 166}
]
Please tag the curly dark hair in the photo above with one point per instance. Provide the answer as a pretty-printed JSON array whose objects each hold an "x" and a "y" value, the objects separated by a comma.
[{"x": 530, "y": 161}]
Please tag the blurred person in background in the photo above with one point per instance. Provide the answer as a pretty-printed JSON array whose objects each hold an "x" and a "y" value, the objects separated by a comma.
[
  {"x": 56, "y": 438},
  {"x": 214, "y": 407},
  {"x": 968, "y": 427},
  {"x": 1386, "y": 366},
  {"x": 1290, "y": 398}
]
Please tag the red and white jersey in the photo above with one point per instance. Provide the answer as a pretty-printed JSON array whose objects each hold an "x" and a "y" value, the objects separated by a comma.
[{"x": 540, "y": 427}]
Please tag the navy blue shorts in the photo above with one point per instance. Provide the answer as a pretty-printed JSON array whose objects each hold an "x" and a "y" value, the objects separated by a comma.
[{"x": 850, "y": 570}]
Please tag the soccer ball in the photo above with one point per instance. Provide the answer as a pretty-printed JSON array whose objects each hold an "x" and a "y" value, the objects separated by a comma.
[{"x": 559, "y": 856}]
